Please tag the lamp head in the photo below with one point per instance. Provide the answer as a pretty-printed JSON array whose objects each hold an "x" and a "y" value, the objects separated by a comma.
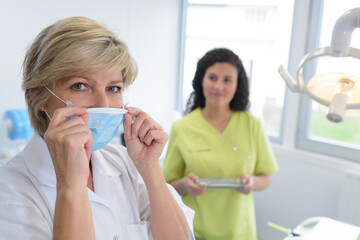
[
  {"x": 338, "y": 90},
  {"x": 325, "y": 86}
]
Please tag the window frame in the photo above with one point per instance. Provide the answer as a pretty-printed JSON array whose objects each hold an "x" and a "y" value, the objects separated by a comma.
[{"x": 180, "y": 82}]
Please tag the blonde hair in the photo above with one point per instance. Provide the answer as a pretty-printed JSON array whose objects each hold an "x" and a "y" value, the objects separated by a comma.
[{"x": 71, "y": 47}]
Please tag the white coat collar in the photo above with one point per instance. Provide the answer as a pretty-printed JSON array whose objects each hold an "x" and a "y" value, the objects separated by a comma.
[{"x": 103, "y": 161}]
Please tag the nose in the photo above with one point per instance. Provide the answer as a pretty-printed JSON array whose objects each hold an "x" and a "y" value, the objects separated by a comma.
[
  {"x": 218, "y": 84},
  {"x": 101, "y": 100}
]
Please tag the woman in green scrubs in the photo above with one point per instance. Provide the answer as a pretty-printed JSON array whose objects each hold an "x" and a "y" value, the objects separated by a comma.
[{"x": 219, "y": 138}]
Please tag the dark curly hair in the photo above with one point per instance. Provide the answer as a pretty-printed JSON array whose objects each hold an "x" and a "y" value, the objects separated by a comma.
[{"x": 240, "y": 101}]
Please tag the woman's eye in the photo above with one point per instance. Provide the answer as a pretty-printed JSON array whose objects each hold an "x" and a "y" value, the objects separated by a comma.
[
  {"x": 114, "y": 89},
  {"x": 212, "y": 78},
  {"x": 78, "y": 86},
  {"x": 228, "y": 80}
]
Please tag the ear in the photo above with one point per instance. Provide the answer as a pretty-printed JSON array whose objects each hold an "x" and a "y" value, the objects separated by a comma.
[
  {"x": 34, "y": 92},
  {"x": 43, "y": 108}
]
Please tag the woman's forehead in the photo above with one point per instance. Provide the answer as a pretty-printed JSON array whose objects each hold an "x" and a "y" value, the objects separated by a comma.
[{"x": 109, "y": 76}]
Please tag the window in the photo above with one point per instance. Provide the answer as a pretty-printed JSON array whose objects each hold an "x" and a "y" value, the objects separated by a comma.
[
  {"x": 316, "y": 133},
  {"x": 259, "y": 32}
]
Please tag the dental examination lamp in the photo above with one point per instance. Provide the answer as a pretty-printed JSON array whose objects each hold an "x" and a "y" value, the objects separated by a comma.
[{"x": 339, "y": 91}]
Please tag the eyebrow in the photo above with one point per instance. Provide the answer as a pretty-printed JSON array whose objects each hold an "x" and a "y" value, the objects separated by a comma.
[
  {"x": 211, "y": 73},
  {"x": 116, "y": 81},
  {"x": 93, "y": 80}
]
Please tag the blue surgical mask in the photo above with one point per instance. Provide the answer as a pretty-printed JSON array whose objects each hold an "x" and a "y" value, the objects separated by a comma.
[{"x": 103, "y": 123}]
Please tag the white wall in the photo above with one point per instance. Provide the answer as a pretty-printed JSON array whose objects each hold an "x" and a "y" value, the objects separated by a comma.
[
  {"x": 154, "y": 40},
  {"x": 150, "y": 28}
]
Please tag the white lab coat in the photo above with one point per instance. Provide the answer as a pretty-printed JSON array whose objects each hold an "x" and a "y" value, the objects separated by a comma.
[{"x": 119, "y": 203}]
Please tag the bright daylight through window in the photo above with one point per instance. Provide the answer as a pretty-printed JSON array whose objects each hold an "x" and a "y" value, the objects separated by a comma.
[{"x": 259, "y": 33}]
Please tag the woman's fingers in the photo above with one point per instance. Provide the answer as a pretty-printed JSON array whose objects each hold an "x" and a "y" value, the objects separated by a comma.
[
  {"x": 158, "y": 136},
  {"x": 58, "y": 124},
  {"x": 127, "y": 127},
  {"x": 143, "y": 127},
  {"x": 145, "y": 140},
  {"x": 62, "y": 136},
  {"x": 144, "y": 130},
  {"x": 142, "y": 122},
  {"x": 61, "y": 114},
  {"x": 56, "y": 133},
  {"x": 77, "y": 121},
  {"x": 131, "y": 128},
  {"x": 247, "y": 180},
  {"x": 193, "y": 188},
  {"x": 193, "y": 177},
  {"x": 134, "y": 111}
]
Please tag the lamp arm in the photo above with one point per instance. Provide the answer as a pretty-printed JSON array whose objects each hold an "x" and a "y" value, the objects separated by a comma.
[
  {"x": 289, "y": 80},
  {"x": 314, "y": 54},
  {"x": 342, "y": 31}
]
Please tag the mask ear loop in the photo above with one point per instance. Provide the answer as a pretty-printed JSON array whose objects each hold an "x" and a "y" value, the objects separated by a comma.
[
  {"x": 43, "y": 110},
  {"x": 48, "y": 115},
  {"x": 67, "y": 102},
  {"x": 55, "y": 95}
]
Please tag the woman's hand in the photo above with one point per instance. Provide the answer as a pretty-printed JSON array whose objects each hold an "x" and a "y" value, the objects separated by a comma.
[
  {"x": 187, "y": 185},
  {"x": 191, "y": 187},
  {"x": 248, "y": 181},
  {"x": 145, "y": 139},
  {"x": 69, "y": 143}
]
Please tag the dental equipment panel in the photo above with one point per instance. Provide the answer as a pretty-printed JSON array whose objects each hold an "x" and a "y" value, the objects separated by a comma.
[
  {"x": 320, "y": 228},
  {"x": 15, "y": 132}
]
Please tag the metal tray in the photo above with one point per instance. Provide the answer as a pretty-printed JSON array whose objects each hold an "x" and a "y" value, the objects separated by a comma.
[{"x": 220, "y": 182}]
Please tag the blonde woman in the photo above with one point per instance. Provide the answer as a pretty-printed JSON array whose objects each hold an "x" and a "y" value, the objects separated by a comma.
[{"x": 69, "y": 182}]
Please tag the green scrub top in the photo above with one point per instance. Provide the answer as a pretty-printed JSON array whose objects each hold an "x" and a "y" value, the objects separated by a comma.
[{"x": 197, "y": 147}]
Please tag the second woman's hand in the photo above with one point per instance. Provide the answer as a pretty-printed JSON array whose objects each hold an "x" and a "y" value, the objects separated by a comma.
[
  {"x": 145, "y": 140},
  {"x": 191, "y": 187},
  {"x": 248, "y": 181}
]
